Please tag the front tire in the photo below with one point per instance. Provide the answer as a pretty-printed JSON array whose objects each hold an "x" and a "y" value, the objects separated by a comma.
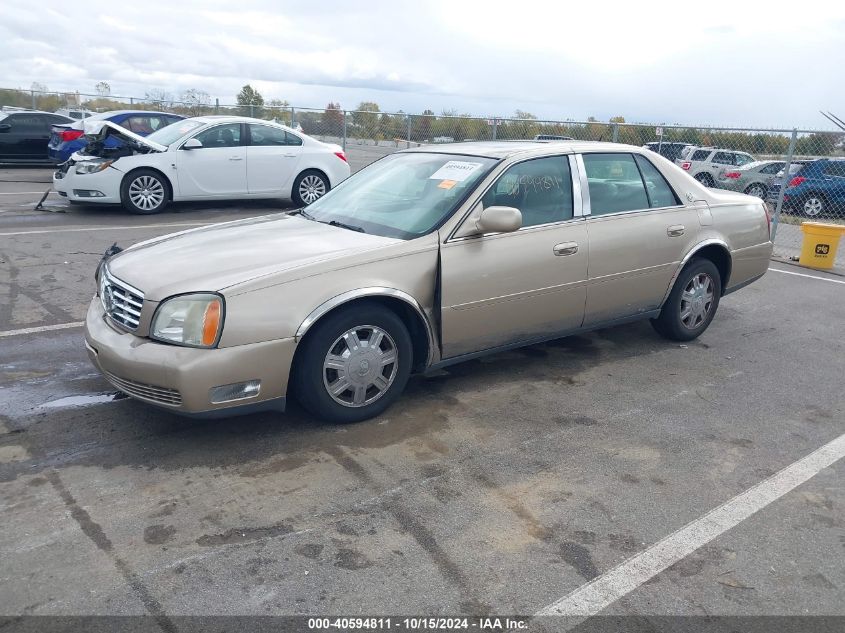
[
  {"x": 309, "y": 186},
  {"x": 353, "y": 364},
  {"x": 145, "y": 192},
  {"x": 692, "y": 304}
]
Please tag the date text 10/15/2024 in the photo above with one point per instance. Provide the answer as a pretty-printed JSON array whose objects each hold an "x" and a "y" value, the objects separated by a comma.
[{"x": 418, "y": 624}]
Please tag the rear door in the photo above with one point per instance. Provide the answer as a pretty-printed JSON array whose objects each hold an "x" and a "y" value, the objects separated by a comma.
[
  {"x": 218, "y": 168},
  {"x": 638, "y": 231},
  {"x": 272, "y": 156},
  {"x": 834, "y": 187}
]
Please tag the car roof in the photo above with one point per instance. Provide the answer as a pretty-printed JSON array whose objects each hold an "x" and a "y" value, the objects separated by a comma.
[
  {"x": 111, "y": 113},
  {"x": 506, "y": 149}
]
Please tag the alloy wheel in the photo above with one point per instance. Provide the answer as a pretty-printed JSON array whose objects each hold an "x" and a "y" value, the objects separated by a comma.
[
  {"x": 146, "y": 192},
  {"x": 813, "y": 206},
  {"x": 311, "y": 188}
]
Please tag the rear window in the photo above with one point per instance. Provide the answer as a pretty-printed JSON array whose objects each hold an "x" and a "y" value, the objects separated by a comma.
[{"x": 835, "y": 169}]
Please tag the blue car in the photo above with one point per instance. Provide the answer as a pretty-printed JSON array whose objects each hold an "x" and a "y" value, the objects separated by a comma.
[
  {"x": 816, "y": 188},
  {"x": 67, "y": 138}
]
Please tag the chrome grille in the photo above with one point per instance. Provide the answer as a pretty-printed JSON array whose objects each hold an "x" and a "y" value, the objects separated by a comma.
[
  {"x": 121, "y": 301},
  {"x": 159, "y": 395}
]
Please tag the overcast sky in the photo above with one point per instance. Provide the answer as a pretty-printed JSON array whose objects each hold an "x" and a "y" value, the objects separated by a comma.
[{"x": 718, "y": 62}]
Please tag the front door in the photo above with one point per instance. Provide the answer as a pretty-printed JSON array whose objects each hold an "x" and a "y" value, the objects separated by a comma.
[
  {"x": 639, "y": 231},
  {"x": 504, "y": 288},
  {"x": 218, "y": 168}
]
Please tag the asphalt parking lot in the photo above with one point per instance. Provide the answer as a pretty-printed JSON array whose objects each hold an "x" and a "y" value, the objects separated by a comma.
[{"x": 500, "y": 486}]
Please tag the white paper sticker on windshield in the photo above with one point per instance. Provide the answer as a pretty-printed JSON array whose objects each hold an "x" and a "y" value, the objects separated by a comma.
[{"x": 456, "y": 170}]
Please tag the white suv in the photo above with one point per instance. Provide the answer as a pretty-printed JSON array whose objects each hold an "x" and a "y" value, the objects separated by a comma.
[{"x": 706, "y": 163}]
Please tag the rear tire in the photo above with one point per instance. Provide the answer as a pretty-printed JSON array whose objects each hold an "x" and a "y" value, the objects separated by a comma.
[
  {"x": 757, "y": 190},
  {"x": 813, "y": 205},
  {"x": 145, "y": 192},
  {"x": 692, "y": 304},
  {"x": 353, "y": 364},
  {"x": 705, "y": 179},
  {"x": 309, "y": 186}
]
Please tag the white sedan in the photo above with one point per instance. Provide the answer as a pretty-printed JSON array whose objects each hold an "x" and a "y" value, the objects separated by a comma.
[{"x": 202, "y": 158}]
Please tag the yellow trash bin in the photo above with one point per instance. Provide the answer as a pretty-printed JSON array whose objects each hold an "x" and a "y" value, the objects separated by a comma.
[{"x": 818, "y": 249}]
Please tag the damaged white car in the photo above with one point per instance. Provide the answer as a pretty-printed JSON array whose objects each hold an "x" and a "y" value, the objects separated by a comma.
[{"x": 203, "y": 158}]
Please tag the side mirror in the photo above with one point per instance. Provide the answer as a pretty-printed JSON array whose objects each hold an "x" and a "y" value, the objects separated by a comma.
[
  {"x": 192, "y": 143},
  {"x": 499, "y": 220},
  {"x": 5, "y": 127}
]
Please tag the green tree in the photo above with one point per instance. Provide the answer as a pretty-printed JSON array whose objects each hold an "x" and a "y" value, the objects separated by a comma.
[
  {"x": 421, "y": 125},
  {"x": 251, "y": 101},
  {"x": 365, "y": 119},
  {"x": 333, "y": 120}
]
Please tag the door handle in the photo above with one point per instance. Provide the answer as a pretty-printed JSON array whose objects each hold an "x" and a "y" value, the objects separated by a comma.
[
  {"x": 565, "y": 248},
  {"x": 290, "y": 155},
  {"x": 236, "y": 158},
  {"x": 675, "y": 230}
]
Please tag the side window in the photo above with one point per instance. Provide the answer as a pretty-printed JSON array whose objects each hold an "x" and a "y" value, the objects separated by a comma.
[
  {"x": 615, "y": 183},
  {"x": 293, "y": 139},
  {"x": 660, "y": 193},
  {"x": 228, "y": 135},
  {"x": 724, "y": 158},
  {"x": 835, "y": 169},
  {"x": 142, "y": 125},
  {"x": 541, "y": 189},
  {"x": 264, "y": 135},
  {"x": 23, "y": 123},
  {"x": 743, "y": 159},
  {"x": 772, "y": 169},
  {"x": 700, "y": 154}
]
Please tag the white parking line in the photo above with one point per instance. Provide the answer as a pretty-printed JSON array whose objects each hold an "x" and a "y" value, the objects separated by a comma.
[
  {"x": 789, "y": 272},
  {"x": 593, "y": 597},
  {"x": 43, "y": 328},
  {"x": 78, "y": 229}
]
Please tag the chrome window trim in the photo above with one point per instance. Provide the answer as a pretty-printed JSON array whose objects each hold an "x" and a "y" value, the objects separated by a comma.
[
  {"x": 585, "y": 186},
  {"x": 524, "y": 229},
  {"x": 478, "y": 196},
  {"x": 577, "y": 196},
  {"x": 371, "y": 291}
]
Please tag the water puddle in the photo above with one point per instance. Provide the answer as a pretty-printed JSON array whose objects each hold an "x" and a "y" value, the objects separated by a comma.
[{"x": 83, "y": 400}]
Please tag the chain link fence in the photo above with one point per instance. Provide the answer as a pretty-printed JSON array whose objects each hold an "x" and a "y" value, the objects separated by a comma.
[{"x": 799, "y": 173}]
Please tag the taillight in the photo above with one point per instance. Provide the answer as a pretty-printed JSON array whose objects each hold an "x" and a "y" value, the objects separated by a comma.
[
  {"x": 686, "y": 165},
  {"x": 70, "y": 135},
  {"x": 341, "y": 156},
  {"x": 796, "y": 181},
  {"x": 732, "y": 174}
]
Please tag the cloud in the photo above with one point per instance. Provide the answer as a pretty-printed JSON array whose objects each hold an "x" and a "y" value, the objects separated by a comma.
[{"x": 661, "y": 62}]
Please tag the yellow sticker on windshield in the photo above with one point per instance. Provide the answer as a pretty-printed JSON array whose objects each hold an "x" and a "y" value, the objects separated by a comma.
[{"x": 447, "y": 184}]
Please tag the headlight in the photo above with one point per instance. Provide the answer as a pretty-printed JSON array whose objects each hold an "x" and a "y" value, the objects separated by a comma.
[
  {"x": 191, "y": 320},
  {"x": 92, "y": 166}
]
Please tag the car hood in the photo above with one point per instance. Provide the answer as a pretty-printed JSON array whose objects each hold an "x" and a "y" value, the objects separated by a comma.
[
  {"x": 98, "y": 131},
  {"x": 216, "y": 257}
]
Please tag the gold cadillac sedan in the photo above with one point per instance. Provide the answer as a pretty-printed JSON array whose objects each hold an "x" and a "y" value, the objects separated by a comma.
[{"x": 427, "y": 257}]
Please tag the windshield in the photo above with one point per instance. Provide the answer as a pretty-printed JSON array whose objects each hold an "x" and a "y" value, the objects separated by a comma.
[
  {"x": 403, "y": 195},
  {"x": 173, "y": 132}
]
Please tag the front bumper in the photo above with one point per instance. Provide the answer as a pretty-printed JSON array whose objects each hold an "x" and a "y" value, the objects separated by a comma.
[
  {"x": 180, "y": 378},
  {"x": 71, "y": 185}
]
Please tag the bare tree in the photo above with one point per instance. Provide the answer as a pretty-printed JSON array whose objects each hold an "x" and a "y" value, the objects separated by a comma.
[{"x": 103, "y": 88}]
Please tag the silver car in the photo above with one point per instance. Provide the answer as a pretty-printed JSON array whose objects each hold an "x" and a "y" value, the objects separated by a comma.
[{"x": 751, "y": 178}]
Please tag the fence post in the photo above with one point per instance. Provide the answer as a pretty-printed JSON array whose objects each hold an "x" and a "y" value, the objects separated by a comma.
[
  {"x": 32, "y": 92},
  {"x": 779, "y": 206},
  {"x": 495, "y": 125},
  {"x": 131, "y": 100},
  {"x": 344, "y": 130},
  {"x": 615, "y": 132},
  {"x": 217, "y": 106},
  {"x": 292, "y": 116},
  {"x": 408, "y": 116},
  {"x": 252, "y": 110}
]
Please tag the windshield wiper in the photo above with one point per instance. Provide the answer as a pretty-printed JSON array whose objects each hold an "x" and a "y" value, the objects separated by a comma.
[
  {"x": 304, "y": 214},
  {"x": 343, "y": 225}
]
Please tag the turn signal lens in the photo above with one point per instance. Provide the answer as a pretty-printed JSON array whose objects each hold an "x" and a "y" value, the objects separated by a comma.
[{"x": 211, "y": 323}]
